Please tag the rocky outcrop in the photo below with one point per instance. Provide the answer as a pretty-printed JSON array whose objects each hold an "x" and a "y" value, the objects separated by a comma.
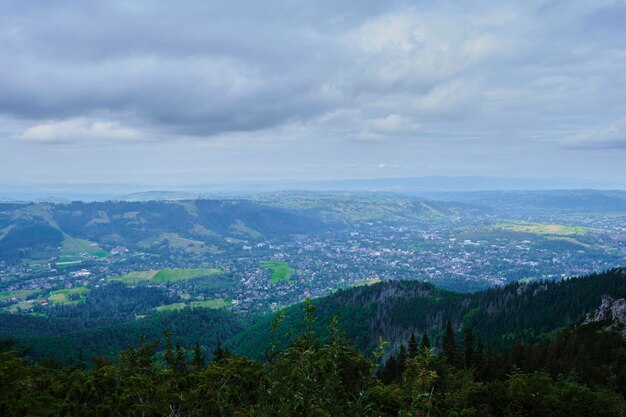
[{"x": 613, "y": 311}]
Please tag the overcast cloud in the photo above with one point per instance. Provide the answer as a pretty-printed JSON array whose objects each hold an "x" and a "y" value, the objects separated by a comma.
[{"x": 197, "y": 91}]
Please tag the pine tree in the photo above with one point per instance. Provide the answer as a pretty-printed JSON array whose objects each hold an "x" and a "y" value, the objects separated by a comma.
[
  {"x": 198, "y": 357},
  {"x": 413, "y": 349},
  {"x": 469, "y": 346},
  {"x": 402, "y": 356},
  {"x": 449, "y": 345},
  {"x": 170, "y": 359},
  {"x": 425, "y": 342},
  {"x": 219, "y": 353},
  {"x": 479, "y": 354},
  {"x": 180, "y": 363},
  {"x": 387, "y": 373}
]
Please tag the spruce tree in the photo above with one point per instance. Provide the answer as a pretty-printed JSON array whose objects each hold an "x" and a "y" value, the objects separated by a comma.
[
  {"x": 413, "y": 349},
  {"x": 449, "y": 345},
  {"x": 219, "y": 353},
  {"x": 425, "y": 342},
  {"x": 479, "y": 354},
  {"x": 180, "y": 362},
  {"x": 198, "y": 357},
  {"x": 170, "y": 358},
  {"x": 388, "y": 373},
  {"x": 469, "y": 346},
  {"x": 402, "y": 356}
]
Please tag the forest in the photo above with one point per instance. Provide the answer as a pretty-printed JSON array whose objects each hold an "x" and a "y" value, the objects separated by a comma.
[
  {"x": 389, "y": 349},
  {"x": 114, "y": 316},
  {"x": 580, "y": 371}
]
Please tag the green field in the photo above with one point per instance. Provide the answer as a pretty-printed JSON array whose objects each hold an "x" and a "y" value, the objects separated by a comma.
[
  {"x": 63, "y": 296},
  {"x": 239, "y": 228},
  {"x": 281, "y": 271},
  {"x": 21, "y": 295},
  {"x": 215, "y": 303},
  {"x": 570, "y": 240},
  {"x": 75, "y": 250},
  {"x": 366, "y": 282},
  {"x": 543, "y": 228},
  {"x": 21, "y": 306},
  {"x": 167, "y": 275}
]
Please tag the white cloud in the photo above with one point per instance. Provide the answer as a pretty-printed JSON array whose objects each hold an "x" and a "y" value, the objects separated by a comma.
[
  {"x": 383, "y": 165},
  {"x": 393, "y": 124},
  {"x": 78, "y": 129},
  {"x": 421, "y": 49}
]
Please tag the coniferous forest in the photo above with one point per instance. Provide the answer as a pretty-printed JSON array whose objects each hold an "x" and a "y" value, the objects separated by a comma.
[{"x": 577, "y": 370}]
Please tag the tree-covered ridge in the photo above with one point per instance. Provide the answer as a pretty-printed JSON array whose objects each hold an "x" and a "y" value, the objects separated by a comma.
[
  {"x": 24, "y": 238},
  {"x": 205, "y": 326},
  {"x": 328, "y": 376},
  {"x": 501, "y": 316},
  {"x": 104, "y": 305},
  {"x": 38, "y": 230},
  {"x": 113, "y": 316}
]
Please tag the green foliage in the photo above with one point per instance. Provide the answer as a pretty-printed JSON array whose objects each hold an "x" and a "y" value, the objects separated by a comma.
[
  {"x": 187, "y": 326},
  {"x": 449, "y": 349},
  {"x": 501, "y": 317},
  {"x": 314, "y": 367},
  {"x": 328, "y": 376},
  {"x": 75, "y": 249}
]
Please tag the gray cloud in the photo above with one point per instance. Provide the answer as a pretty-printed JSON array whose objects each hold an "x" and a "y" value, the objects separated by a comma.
[
  {"x": 194, "y": 69},
  {"x": 611, "y": 136},
  {"x": 351, "y": 75}
]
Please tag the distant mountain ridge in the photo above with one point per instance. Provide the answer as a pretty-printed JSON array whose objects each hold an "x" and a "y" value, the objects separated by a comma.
[
  {"x": 539, "y": 201},
  {"x": 46, "y": 230},
  {"x": 40, "y": 230},
  {"x": 65, "y": 192}
]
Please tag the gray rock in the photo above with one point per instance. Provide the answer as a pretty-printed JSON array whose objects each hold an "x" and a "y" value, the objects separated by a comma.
[{"x": 611, "y": 310}]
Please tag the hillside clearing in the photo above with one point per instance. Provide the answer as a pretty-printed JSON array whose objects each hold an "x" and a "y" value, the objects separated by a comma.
[
  {"x": 68, "y": 296},
  {"x": 543, "y": 228},
  {"x": 75, "y": 249},
  {"x": 215, "y": 303}
]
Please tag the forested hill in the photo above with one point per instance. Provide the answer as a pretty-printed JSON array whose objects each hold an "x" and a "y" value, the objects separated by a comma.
[
  {"x": 46, "y": 231},
  {"x": 187, "y": 327},
  {"x": 393, "y": 310},
  {"x": 500, "y": 317},
  {"x": 576, "y": 372}
]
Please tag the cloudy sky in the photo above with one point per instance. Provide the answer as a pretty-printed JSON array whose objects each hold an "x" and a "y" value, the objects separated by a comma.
[{"x": 202, "y": 91}]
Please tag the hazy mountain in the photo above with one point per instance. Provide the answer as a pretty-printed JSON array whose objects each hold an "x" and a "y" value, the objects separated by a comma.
[
  {"x": 46, "y": 230},
  {"x": 65, "y": 192}
]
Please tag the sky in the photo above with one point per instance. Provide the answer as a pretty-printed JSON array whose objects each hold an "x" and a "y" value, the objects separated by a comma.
[{"x": 173, "y": 92}]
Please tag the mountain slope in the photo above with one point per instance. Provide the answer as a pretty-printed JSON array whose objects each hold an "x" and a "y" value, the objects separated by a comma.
[
  {"x": 188, "y": 326},
  {"x": 392, "y": 310},
  {"x": 45, "y": 231}
]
